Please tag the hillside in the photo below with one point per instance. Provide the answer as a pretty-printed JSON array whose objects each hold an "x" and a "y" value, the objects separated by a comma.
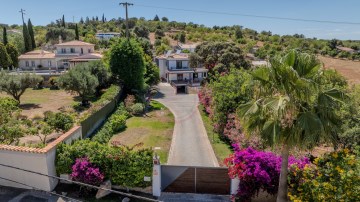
[{"x": 349, "y": 69}]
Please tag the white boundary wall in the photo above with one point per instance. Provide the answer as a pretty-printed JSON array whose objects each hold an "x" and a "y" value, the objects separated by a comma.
[{"x": 37, "y": 160}]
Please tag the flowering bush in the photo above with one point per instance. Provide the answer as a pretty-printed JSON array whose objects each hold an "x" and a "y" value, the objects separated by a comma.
[
  {"x": 257, "y": 170},
  {"x": 84, "y": 171},
  {"x": 205, "y": 97},
  {"x": 123, "y": 166},
  {"x": 334, "y": 177}
]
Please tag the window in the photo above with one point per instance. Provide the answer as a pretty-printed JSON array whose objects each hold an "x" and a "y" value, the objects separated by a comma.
[
  {"x": 33, "y": 63},
  {"x": 72, "y": 50},
  {"x": 49, "y": 63},
  {"x": 204, "y": 74},
  {"x": 27, "y": 63},
  {"x": 195, "y": 75},
  {"x": 89, "y": 50},
  {"x": 63, "y": 50},
  {"x": 82, "y": 51},
  {"x": 180, "y": 77},
  {"x": 178, "y": 64}
]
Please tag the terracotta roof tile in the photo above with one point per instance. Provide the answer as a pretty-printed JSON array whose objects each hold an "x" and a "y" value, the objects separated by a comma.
[{"x": 75, "y": 43}]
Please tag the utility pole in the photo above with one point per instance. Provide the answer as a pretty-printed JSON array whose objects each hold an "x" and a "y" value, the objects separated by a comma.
[
  {"x": 22, "y": 11},
  {"x": 126, "y": 4}
]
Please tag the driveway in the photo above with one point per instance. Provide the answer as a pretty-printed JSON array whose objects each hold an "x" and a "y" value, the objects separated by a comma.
[{"x": 190, "y": 145}]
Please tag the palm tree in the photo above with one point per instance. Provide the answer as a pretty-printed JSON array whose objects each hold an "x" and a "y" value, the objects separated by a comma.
[{"x": 292, "y": 106}]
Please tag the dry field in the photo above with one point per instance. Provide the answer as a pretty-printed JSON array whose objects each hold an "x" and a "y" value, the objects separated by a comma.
[
  {"x": 36, "y": 102},
  {"x": 349, "y": 69}
]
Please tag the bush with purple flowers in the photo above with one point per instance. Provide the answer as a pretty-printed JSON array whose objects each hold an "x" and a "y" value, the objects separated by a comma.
[
  {"x": 86, "y": 172},
  {"x": 257, "y": 170}
]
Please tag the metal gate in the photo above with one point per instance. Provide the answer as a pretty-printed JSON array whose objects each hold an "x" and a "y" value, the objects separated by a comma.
[{"x": 188, "y": 179}]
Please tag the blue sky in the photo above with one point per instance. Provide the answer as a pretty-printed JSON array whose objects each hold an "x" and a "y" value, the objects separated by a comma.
[{"x": 43, "y": 12}]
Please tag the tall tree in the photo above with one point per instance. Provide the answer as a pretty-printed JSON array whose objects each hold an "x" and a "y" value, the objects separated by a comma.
[
  {"x": 292, "y": 107},
  {"x": 5, "y": 39},
  {"x": 81, "y": 20},
  {"x": 127, "y": 64},
  {"x": 32, "y": 35},
  {"x": 13, "y": 54},
  {"x": 103, "y": 18},
  {"x": 27, "y": 38},
  {"x": 77, "y": 32},
  {"x": 5, "y": 60},
  {"x": 156, "y": 18},
  {"x": 63, "y": 21}
]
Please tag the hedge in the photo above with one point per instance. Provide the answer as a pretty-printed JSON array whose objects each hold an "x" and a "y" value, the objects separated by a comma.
[
  {"x": 122, "y": 165},
  {"x": 114, "y": 124}
]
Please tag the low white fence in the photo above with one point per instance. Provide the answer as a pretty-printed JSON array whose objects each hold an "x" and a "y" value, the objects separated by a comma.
[{"x": 38, "y": 160}]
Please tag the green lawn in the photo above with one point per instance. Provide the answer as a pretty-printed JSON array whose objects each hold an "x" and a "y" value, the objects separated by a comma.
[
  {"x": 221, "y": 148},
  {"x": 153, "y": 130}
]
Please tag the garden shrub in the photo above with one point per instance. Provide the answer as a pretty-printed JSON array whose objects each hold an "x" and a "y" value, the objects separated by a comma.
[
  {"x": 114, "y": 124},
  {"x": 137, "y": 109},
  {"x": 257, "y": 170},
  {"x": 334, "y": 177},
  {"x": 60, "y": 121},
  {"x": 129, "y": 102},
  {"x": 122, "y": 165},
  {"x": 86, "y": 172},
  {"x": 54, "y": 83}
]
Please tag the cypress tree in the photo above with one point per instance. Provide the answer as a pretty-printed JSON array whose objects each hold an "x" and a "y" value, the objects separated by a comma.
[
  {"x": 13, "y": 54},
  {"x": 31, "y": 33},
  {"x": 27, "y": 39},
  {"x": 63, "y": 21},
  {"x": 81, "y": 20},
  {"x": 5, "y": 60},
  {"x": 76, "y": 32},
  {"x": 103, "y": 18},
  {"x": 5, "y": 39}
]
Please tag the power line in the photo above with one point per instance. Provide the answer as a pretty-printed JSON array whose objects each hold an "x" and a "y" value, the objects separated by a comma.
[
  {"x": 82, "y": 184},
  {"x": 254, "y": 16},
  {"x": 37, "y": 189}
]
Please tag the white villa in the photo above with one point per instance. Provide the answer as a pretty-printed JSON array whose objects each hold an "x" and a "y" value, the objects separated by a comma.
[
  {"x": 174, "y": 69},
  {"x": 66, "y": 55},
  {"x": 107, "y": 35}
]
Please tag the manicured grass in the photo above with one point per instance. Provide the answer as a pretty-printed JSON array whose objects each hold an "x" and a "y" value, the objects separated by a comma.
[
  {"x": 155, "y": 129},
  {"x": 221, "y": 148}
]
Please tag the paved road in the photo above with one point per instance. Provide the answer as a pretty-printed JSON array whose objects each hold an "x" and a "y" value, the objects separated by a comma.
[{"x": 190, "y": 145}]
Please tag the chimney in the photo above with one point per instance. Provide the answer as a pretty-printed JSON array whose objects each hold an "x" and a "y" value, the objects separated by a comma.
[{"x": 60, "y": 39}]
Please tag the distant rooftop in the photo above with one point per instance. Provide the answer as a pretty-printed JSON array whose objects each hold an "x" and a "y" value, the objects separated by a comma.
[
  {"x": 75, "y": 43},
  {"x": 174, "y": 56},
  {"x": 37, "y": 54}
]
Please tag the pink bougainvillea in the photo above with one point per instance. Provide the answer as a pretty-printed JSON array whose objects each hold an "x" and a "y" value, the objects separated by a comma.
[
  {"x": 257, "y": 170},
  {"x": 84, "y": 171}
]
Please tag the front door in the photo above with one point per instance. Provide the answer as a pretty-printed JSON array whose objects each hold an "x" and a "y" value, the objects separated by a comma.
[{"x": 180, "y": 77}]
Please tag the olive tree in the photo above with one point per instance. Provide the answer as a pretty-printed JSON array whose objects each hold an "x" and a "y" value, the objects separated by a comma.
[
  {"x": 16, "y": 84},
  {"x": 81, "y": 81}
]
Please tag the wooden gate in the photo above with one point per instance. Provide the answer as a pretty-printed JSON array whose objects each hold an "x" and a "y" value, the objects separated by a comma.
[{"x": 204, "y": 180}]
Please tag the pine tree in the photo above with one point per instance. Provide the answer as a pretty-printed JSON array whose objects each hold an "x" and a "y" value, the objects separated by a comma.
[
  {"x": 13, "y": 54},
  {"x": 81, "y": 21},
  {"x": 5, "y": 60},
  {"x": 27, "y": 39},
  {"x": 32, "y": 35},
  {"x": 103, "y": 18},
  {"x": 97, "y": 18},
  {"x": 63, "y": 21},
  {"x": 156, "y": 18},
  {"x": 87, "y": 20},
  {"x": 5, "y": 39},
  {"x": 76, "y": 32}
]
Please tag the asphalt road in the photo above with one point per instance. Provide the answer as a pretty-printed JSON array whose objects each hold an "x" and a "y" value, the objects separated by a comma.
[{"x": 190, "y": 145}]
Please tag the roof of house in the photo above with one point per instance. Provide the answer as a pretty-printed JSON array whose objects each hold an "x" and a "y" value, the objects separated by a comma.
[
  {"x": 37, "y": 54},
  {"x": 174, "y": 56},
  {"x": 75, "y": 43},
  {"x": 87, "y": 57},
  {"x": 345, "y": 49},
  {"x": 188, "y": 46}
]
